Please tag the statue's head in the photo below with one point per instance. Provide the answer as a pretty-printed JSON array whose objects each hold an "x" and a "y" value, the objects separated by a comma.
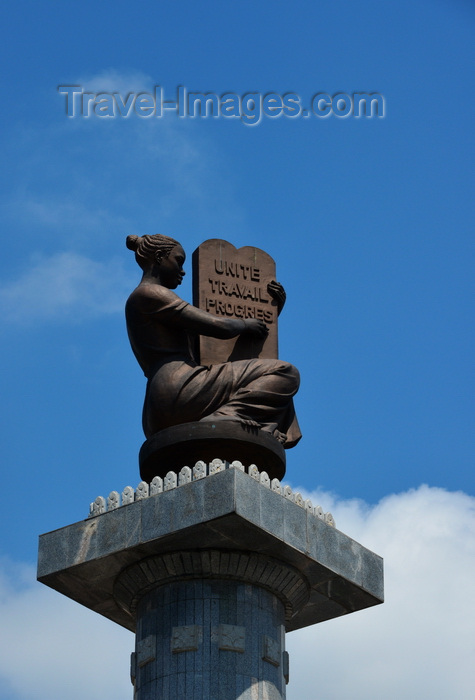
[
  {"x": 150, "y": 250},
  {"x": 161, "y": 255}
]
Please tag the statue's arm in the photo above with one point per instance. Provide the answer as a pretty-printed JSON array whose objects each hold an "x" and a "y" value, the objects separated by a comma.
[{"x": 203, "y": 323}]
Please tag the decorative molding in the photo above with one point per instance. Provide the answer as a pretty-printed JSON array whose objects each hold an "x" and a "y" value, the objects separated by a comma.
[
  {"x": 217, "y": 465},
  {"x": 254, "y": 472},
  {"x": 143, "y": 491},
  {"x": 285, "y": 666},
  {"x": 133, "y": 668},
  {"x": 232, "y": 638},
  {"x": 156, "y": 485},
  {"x": 98, "y": 506},
  {"x": 171, "y": 481},
  {"x": 184, "y": 477},
  {"x": 185, "y": 638},
  {"x": 128, "y": 495},
  {"x": 113, "y": 500},
  {"x": 199, "y": 470},
  {"x": 202, "y": 470},
  {"x": 264, "y": 479},
  {"x": 271, "y": 651},
  {"x": 146, "y": 650},
  {"x": 288, "y": 493},
  {"x": 282, "y": 580}
]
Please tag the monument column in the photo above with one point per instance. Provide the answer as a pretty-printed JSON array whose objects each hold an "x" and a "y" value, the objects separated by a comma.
[
  {"x": 210, "y": 624},
  {"x": 208, "y": 573},
  {"x": 211, "y": 560}
]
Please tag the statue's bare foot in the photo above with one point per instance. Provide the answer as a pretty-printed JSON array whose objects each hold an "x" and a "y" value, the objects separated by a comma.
[
  {"x": 248, "y": 423},
  {"x": 281, "y": 437}
]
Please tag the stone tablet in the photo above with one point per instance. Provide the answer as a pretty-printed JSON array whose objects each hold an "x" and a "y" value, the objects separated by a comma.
[{"x": 232, "y": 282}]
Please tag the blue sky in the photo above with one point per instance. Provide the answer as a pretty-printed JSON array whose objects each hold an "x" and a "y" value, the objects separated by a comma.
[{"x": 370, "y": 222}]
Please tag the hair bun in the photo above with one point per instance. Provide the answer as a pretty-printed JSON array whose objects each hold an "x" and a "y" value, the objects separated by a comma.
[{"x": 132, "y": 242}]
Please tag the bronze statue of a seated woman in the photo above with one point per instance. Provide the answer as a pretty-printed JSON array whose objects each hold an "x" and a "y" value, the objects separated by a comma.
[{"x": 161, "y": 329}]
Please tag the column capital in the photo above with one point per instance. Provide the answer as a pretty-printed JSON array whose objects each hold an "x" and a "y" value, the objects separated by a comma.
[{"x": 281, "y": 579}]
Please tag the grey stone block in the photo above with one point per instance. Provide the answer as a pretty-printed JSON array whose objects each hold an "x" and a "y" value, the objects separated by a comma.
[
  {"x": 228, "y": 510},
  {"x": 247, "y": 505},
  {"x": 219, "y": 494},
  {"x": 295, "y": 525},
  {"x": 271, "y": 512}
]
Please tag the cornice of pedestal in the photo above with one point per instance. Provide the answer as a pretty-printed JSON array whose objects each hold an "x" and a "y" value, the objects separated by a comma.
[
  {"x": 221, "y": 509},
  {"x": 201, "y": 470}
]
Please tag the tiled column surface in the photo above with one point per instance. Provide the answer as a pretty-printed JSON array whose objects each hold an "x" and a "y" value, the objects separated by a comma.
[
  {"x": 214, "y": 638},
  {"x": 209, "y": 640}
]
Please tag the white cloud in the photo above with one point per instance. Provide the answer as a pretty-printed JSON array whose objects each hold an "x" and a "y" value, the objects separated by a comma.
[
  {"x": 53, "y": 649},
  {"x": 111, "y": 80},
  {"x": 418, "y": 644},
  {"x": 65, "y": 286}
]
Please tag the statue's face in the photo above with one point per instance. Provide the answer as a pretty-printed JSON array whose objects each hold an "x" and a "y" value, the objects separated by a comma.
[{"x": 171, "y": 270}]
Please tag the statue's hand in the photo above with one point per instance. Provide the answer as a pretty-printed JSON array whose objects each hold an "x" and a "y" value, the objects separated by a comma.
[
  {"x": 256, "y": 327},
  {"x": 277, "y": 292}
]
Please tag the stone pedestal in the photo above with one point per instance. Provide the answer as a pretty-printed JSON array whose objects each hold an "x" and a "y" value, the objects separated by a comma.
[
  {"x": 175, "y": 447},
  {"x": 209, "y": 568}
]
